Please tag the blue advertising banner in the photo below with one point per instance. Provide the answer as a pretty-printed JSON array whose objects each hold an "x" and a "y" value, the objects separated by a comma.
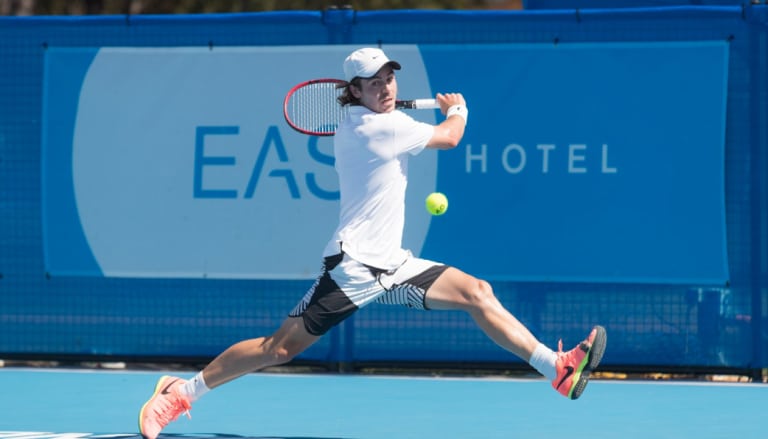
[
  {"x": 586, "y": 162},
  {"x": 581, "y": 162}
]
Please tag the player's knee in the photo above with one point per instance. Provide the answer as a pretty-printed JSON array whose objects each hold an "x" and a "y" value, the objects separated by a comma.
[
  {"x": 479, "y": 293},
  {"x": 280, "y": 355}
]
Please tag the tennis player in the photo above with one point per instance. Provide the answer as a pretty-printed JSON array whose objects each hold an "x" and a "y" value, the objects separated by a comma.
[{"x": 364, "y": 260}]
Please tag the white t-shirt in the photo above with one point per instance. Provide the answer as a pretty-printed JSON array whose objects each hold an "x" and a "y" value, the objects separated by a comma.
[{"x": 372, "y": 151}]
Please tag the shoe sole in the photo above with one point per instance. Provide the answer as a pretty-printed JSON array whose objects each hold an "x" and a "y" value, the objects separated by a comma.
[
  {"x": 141, "y": 412},
  {"x": 593, "y": 360}
]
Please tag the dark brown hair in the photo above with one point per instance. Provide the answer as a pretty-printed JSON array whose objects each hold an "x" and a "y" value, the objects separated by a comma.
[{"x": 346, "y": 97}]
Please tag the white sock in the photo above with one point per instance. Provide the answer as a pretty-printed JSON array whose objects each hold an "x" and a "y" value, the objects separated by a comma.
[
  {"x": 195, "y": 388},
  {"x": 543, "y": 360}
]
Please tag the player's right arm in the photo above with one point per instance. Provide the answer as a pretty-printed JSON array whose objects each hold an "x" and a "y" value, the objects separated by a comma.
[{"x": 448, "y": 133}]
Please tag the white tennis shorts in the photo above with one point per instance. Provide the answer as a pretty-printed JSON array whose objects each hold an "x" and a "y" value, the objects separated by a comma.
[{"x": 347, "y": 285}]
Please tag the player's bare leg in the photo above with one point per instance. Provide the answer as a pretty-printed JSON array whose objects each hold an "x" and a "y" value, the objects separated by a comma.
[
  {"x": 456, "y": 290},
  {"x": 257, "y": 353},
  {"x": 172, "y": 397},
  {"x": 569, "y": 371}
]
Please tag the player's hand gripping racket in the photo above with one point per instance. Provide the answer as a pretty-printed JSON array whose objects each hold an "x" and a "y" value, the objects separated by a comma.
[{"x": 311, "y": 107}]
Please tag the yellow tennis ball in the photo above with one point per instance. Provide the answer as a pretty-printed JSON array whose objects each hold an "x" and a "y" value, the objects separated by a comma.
[{"x": 437, "y": 203}]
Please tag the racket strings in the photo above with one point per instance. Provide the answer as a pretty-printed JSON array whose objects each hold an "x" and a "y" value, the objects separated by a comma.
[{"x": 315, "y": 108}]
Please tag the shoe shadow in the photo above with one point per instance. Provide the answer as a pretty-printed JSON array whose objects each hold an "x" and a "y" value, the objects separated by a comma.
[
  {"x": 235, "y": 436},
  {"x": 37, "y": 435},
  {"x": 189, "y": 436}
]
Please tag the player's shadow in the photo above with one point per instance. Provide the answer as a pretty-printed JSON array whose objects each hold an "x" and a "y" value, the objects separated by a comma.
[{"x": 235, "y": 436}]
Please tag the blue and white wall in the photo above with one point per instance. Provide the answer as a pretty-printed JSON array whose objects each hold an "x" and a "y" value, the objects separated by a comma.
[{"x": 150, "y": 166}]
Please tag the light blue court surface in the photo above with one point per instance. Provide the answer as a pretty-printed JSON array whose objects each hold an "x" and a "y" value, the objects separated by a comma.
[{"x": 68, "y": 404}]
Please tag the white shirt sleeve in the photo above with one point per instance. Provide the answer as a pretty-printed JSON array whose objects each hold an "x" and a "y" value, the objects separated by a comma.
[{"x": 411, "y": 135}]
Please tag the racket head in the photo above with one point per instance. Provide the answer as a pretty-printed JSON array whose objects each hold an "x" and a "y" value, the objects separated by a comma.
[{"x": 311, "y": 107}]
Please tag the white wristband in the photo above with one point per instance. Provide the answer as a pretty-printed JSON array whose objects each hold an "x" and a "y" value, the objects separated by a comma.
[{"x": 459, "y": 110}]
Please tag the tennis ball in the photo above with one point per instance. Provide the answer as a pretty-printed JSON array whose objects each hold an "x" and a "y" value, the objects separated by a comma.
[{"x": 437, "y": 203}]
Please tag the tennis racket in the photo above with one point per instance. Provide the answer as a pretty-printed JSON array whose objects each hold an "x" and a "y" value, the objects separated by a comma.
[{"x": 311, "y": 107}]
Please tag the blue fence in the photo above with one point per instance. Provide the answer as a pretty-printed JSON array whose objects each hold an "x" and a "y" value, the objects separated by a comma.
[{"x": 155, "y": 205}]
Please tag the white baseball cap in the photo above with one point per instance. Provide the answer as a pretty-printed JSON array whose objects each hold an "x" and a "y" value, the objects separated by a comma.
[{"x": 366, "y": 62}]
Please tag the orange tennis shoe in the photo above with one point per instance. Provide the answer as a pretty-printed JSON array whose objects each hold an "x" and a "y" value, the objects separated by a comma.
[
  {"x": 165, "y": 405},
  {"x": 573, "y": 367}
]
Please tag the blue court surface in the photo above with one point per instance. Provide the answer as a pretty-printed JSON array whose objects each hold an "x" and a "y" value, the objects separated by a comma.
[{"x": 71, "y": 404}]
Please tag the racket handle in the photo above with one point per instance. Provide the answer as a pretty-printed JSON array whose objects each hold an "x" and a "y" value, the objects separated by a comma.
[
  {"x": 425, "y": 104},
  {"x": 418, "y": 104}
]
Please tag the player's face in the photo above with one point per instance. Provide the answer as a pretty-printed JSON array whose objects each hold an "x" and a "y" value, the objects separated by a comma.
[{"x": 379, "y": 92}]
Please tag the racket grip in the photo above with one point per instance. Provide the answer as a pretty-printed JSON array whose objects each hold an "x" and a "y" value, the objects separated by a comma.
[
  {"x": 418, "y": 104},
  {"x": 425, "y": 104}
]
